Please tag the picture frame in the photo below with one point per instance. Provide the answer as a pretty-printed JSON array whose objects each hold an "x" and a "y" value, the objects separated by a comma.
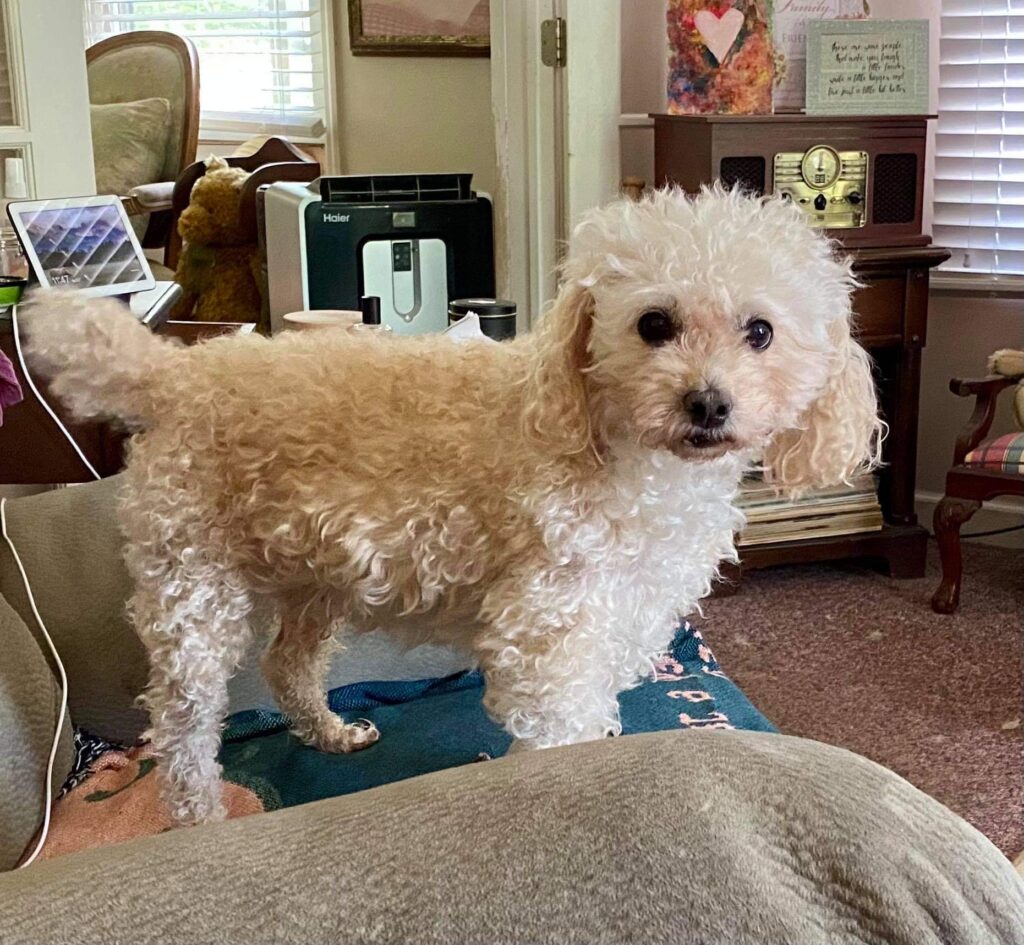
[
  {"x": 867, "y": 67},
  {"x": 419, "y": 27},
  {"x": 789, "y": 35}
]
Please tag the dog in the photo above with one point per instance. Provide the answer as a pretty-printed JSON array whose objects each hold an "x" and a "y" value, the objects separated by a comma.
[{"x": 553, "y": 503}]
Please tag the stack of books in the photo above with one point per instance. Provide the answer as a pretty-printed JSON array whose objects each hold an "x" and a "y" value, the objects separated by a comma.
[{"x": 822, "y": 513}]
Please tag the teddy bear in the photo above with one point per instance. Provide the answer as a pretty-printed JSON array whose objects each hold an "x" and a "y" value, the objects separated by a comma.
[
  {"x": 1010, "y": 363},
  {"x": 218, "y": 263}
]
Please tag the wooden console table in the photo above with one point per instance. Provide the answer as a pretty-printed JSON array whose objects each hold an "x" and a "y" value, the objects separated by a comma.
[{"x": 891, "y": 316}]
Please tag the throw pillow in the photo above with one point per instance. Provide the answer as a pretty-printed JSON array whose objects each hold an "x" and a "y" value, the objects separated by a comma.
[{"x": 129, "y": 145}]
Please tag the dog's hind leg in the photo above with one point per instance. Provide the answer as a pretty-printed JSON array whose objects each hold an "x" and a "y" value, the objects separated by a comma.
[
  {"x": 295, "y": 666},
  {"x": 196, "y": 630}
]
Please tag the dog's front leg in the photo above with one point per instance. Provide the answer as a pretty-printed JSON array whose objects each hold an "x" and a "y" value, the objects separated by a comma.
[{"x": 552, "y": 673}]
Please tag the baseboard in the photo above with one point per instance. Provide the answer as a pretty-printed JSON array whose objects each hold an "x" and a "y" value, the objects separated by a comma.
[{"x": 999, "y": 513}]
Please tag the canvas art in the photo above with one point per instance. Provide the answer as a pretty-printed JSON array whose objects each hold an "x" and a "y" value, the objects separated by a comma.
[{"x": 720, "y": 57}]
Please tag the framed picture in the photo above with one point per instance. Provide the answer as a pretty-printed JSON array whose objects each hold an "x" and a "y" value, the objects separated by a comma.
[
  {"x": 420, "y": 27},
  {"x": 789, "y": 34},
  {"x": 867, "y": 67},
  {"x": 720, "y": 57}
]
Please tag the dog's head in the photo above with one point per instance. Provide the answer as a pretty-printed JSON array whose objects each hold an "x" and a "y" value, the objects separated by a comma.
[{"x": 707, "y": 325}]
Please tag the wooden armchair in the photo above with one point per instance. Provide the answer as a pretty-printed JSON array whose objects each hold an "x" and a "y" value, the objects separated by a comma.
[
  {"x": 982, "y": 469},
  {"x": 124, "y": 70}
]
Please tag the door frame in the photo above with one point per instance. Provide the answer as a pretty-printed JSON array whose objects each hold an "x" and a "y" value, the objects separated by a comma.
[{"x": 556, "y": 135}]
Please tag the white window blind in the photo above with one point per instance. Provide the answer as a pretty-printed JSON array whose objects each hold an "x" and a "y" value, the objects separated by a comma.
[
  {"x": 260, "y": 61},
  {"x": 979, "y": 164}
]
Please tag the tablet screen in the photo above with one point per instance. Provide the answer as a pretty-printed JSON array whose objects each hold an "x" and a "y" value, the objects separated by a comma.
[{"x": 82, "y": 247}]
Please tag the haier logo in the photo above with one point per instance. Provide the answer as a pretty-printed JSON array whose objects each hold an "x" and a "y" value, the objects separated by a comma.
[{"x": 336, "y": 217}]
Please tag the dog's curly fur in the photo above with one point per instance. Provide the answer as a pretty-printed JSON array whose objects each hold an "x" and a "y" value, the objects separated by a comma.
[{"x": 544, "y": 502}]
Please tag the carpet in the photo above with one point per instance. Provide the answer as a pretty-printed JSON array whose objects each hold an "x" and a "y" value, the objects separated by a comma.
[{"x": 844, "y": 655}]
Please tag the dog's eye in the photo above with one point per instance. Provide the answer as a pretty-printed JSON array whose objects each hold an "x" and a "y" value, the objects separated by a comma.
[
  {"x": 656, "y": 328},
  {"x": 759, "y": 334}
]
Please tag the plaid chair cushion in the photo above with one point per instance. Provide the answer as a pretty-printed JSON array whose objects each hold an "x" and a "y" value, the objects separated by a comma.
[{"x": 1003, "y": 454}]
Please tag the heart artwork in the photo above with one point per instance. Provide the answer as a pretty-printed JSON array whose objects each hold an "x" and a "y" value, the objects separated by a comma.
[{"x": 719, "y": 32}]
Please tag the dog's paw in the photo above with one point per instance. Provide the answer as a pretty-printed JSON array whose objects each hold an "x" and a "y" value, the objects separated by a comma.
[
  {"x": 193, "y": 811},
  {"x": 347, "y": 736}
]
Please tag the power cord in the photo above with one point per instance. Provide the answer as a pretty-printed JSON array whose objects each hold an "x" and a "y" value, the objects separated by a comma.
[
  {"x": 63, "y": 683},
  {"x": 42, "y": 400},
  {"x": 995, "y": 531}
]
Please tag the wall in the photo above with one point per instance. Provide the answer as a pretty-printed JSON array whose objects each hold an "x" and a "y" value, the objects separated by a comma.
[
  {"x": 401, "y": 114},
  {"x": 962, "y": 331}
]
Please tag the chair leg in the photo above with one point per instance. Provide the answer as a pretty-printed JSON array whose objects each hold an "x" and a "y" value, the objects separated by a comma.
[{"x": 950, "y": 515}]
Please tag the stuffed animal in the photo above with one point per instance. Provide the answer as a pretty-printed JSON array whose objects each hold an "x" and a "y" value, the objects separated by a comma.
[
  {"x": 218, "y": 261},
  {"x": 1010, "y": 363}
]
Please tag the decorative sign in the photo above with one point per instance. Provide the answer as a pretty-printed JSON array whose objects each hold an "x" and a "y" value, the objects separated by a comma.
[
  {"x": 867, "y": 67},
  {"x": 789, "y": 34}
]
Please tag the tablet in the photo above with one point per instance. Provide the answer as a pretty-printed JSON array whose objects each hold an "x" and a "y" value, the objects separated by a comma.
[{"x": 83, "y": 243}]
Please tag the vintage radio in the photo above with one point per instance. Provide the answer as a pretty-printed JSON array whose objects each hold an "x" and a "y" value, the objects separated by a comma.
[{"x": 860, "y": 179}]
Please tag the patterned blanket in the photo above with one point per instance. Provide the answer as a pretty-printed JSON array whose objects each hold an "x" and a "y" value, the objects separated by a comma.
[{"x": 426, "y": 725}]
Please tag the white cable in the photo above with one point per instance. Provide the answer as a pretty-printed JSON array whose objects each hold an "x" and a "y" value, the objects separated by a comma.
[
  {"x": 35, "y": 390},
  {"x": 63, "y": 685}
]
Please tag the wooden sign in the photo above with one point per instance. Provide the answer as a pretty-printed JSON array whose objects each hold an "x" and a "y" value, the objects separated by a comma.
[{"x": 867, "y": 67}]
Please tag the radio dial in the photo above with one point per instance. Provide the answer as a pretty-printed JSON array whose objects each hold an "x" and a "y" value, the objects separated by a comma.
[
  {"x": 854, "y": 198},
  {"x": 820, "y": 167}
]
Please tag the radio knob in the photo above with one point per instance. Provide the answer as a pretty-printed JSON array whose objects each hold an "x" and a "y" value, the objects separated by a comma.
[
  {"x": 854, "y": 198},
  {"x": 820, "y": 203}
]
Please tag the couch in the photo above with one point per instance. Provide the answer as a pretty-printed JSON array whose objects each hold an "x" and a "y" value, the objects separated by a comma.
[{"x": 683, "y": 836}]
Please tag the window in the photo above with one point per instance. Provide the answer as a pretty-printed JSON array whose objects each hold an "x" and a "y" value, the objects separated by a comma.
[
  {"x": 260, "y": 61},
  {"x": 979, "y": 165}
]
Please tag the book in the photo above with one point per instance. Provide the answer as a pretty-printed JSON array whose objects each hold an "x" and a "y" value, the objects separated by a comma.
[{"x": 844, "y": 509}]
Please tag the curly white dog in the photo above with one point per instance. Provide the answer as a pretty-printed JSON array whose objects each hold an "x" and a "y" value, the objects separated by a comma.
[{"x": 554, "y": 503}]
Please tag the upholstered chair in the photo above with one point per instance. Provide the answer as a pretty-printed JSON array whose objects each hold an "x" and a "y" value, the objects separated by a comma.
[
  {"x": 983, "y": 468},
  {"x": 144, "y": 94}
]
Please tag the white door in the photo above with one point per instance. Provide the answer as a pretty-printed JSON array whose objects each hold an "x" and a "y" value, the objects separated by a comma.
[
  {"x": 44, "y": 98},
  {"x": 557, "y": 127}
]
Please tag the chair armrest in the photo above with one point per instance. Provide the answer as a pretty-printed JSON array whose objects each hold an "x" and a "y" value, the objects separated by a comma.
[
  {"x": 149, "y": 198},
  {"x": 986, "y": 390},
  {"x": 989, "y": 386}
]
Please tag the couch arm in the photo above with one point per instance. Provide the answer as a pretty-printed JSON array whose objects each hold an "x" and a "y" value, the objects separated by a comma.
[
  {"x": 71, "y": 547},
  {"x": 715, "y": 837}
]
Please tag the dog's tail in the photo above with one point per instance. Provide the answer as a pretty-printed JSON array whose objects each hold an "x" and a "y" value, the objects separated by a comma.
[{"x": 100, "y": 359}]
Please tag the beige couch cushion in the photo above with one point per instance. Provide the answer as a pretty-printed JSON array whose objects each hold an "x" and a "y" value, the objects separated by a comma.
[
  {"x": 724, "y": 838},
  {"x": 70, "y": 545},
  {"x": 29, "y": 706}
]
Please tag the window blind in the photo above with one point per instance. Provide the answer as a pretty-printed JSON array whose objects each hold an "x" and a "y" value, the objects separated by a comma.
[
  {"x": 260, "y": 61},
  {"x": 979, "y": 162}
]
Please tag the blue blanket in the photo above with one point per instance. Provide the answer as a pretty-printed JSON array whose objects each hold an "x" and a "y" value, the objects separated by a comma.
[{"x": 431, "y": 724}]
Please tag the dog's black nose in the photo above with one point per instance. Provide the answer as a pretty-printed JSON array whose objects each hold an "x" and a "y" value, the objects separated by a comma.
[{"x": 708, "y": 408}]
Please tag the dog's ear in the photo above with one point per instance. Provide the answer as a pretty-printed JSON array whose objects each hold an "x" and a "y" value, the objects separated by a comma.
[
  {"x": 840, "y": 433},
  {"x": 557, "y": 406}
]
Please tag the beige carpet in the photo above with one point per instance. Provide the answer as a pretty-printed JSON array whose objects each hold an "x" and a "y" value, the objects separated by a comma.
[{"x": 844, "y": 655}]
